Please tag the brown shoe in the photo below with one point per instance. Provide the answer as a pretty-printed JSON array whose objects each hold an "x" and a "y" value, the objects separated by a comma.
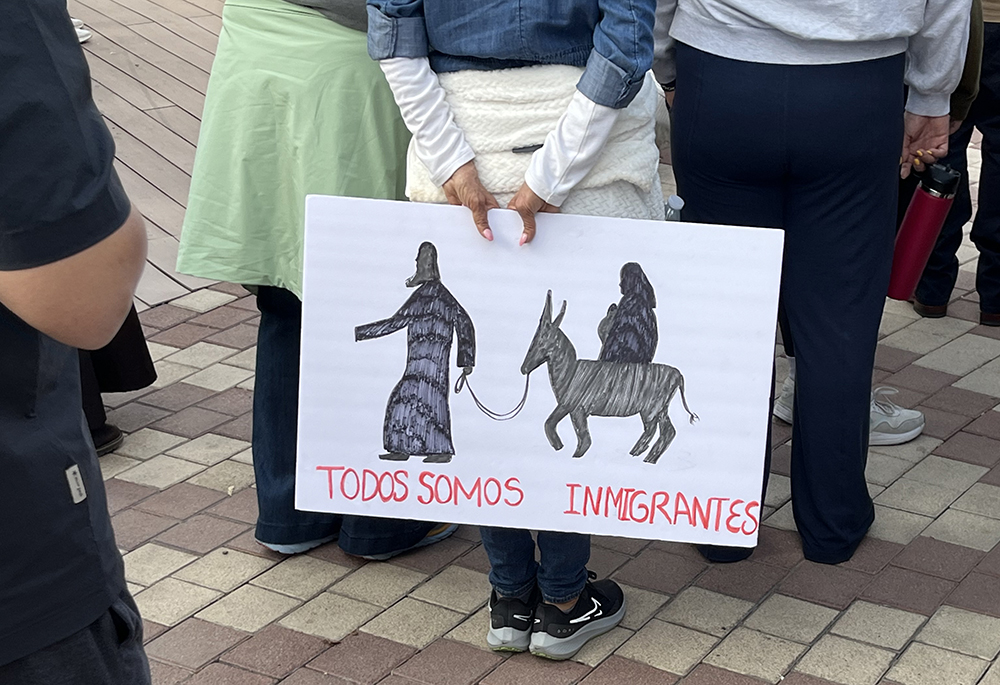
[
  {"x": 930, "y": 311},
  {"x": 987, "y": 319}
]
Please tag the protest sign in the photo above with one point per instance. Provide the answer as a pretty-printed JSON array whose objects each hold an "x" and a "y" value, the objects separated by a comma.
[{"x": 621, "y": 371}]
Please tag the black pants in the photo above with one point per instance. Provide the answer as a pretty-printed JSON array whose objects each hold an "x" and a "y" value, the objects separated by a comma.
[
  {"x": 813, "y": 150},
  {"x": 122, "y": 365},
  {"x": 275, "y": 413},
  {"x": 942, "y": 268},
  {"x": 107, "y": 652}
]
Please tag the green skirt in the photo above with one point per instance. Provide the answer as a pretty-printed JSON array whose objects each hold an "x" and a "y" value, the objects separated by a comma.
[{"x": 295, "y": 106}]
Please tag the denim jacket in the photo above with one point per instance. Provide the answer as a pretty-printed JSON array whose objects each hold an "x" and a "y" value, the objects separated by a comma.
[{"x": 613, "y": 39}]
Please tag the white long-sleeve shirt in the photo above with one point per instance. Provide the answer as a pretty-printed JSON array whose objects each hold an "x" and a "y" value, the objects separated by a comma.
[
  {"x": 570, "y": 151},
  {"x": 934, "y": 34}
]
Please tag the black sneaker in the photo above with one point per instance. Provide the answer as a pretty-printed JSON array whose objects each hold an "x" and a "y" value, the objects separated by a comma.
[
  {"x": 107, "y": 439},
  {"x": 559, "y": 636},
  {"x": 511, "y": 621}
]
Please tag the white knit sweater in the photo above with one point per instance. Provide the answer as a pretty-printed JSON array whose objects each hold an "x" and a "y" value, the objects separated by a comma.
[{"x": 498, "y": 111}]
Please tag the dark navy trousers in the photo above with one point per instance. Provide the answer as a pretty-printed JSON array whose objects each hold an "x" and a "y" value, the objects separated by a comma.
[
  {"x": 275, "y": 412},
  {"x": 107, "y": 652},
  {"x": 813, "y": 150}
]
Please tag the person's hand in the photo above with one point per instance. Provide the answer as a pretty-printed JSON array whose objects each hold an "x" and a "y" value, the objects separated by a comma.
[
  {"x": 465, "y": 188},
  {"x": 954, "y": 126},
  {"x": 526, "y": 203},
  {"x": 925, "y": 141}
]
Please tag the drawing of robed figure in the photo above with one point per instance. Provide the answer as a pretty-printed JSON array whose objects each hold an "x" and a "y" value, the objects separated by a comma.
[
  {"x": 417, "y": 416},
  {"x": 628, "y": 333}
]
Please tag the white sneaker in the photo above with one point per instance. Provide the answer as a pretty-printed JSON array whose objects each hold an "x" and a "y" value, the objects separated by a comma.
[
  {"x": 77, "y": 23},
  {"x": 784, "y": 402},
  {"x": 890, "y": 423},
  {"x": 83, "y": 35}
]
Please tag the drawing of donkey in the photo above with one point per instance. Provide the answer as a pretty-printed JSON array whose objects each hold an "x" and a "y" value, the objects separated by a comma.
[{"x": 584, "y": 387}]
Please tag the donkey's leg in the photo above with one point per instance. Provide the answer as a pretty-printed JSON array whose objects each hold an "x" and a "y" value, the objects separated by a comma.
[
  {"x": 579, "y": 418},
  {"x": 667, "y": 433},
  {"x": 649, "y": 430},
  {"x": 557, "y": 415}
]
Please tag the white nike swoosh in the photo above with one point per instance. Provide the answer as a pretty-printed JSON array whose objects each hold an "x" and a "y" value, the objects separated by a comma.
[
  {"x": 593, "y": 613},
  {"x": 521, "y": 618}
]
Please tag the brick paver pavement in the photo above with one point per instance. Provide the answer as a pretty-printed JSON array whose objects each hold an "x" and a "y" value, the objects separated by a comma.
[{"x": 918, "y": 604}]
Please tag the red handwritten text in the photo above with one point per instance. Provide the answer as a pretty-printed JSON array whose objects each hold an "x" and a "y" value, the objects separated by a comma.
[
  {"x": 677, "y": 509},
  {"x": 394, "y": 486}
]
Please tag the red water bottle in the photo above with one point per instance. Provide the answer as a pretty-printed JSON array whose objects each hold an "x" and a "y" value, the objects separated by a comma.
[{"x": 920, "y": 228}]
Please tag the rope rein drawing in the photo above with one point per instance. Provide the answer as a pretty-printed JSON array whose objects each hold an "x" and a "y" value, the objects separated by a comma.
[{"x": 463, "y": 381}]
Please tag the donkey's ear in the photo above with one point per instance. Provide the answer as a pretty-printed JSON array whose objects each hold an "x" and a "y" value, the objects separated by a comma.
[
  {"x": 562, "y": 313},
  {"x": 547, "y": 310}
]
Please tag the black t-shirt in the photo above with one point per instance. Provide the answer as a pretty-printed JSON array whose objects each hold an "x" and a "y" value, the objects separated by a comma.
[{"x": 59, "y": 566}]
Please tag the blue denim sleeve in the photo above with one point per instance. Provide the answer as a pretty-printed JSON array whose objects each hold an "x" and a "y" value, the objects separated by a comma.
[
  {"x": 623, "y": 52},
  {"x": 396, "y": 29}
]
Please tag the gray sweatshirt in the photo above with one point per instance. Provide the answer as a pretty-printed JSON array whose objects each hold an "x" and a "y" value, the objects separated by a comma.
[{"x": 933, "y": 34}]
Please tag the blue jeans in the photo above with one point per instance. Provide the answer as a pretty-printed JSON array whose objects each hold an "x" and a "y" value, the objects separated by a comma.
[
  {"x": 942, "y": 268},
  {"x": 561, "y": 574},
  {"x": 275, "y": 411}
]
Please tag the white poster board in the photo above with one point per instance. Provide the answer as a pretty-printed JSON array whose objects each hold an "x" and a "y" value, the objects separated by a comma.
[{"x": 716, "y": 292}]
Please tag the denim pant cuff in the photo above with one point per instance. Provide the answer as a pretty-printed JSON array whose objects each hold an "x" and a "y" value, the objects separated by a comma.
[
  {"x": 278, "y": 534},
  {"x": 514, "y": 591},
  {"x": 362, "y": 537},
  {"x": 563, "y": 596}
]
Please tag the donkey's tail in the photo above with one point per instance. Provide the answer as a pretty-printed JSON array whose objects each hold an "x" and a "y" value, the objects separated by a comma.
[{"x": 694, "y": 417}]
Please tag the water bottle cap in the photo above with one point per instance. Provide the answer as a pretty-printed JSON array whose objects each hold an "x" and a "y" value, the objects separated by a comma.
[
  {"x": 675, "y": 202},
  {"x": 940, "y": 179}
]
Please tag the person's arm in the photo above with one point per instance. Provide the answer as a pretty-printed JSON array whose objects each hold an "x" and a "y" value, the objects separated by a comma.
[
  {"x": 936, "y": 55},
  {"x": 440, "y": 143},
  {"x": 616, "y": 68},
  {"x": 397, "y": 39},
  {"x": 81, "y": 300},
  {"x": 71, "y": 246},
  {"x": 663, "y": 45},
  {"x": 571, "y": 149},
  {"x": 934, "y": 61},
  {"x": 622, "y": 54}
]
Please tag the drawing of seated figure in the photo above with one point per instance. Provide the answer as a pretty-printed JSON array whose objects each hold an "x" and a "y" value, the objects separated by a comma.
[
  {"x": 417, "y": 416},
  {"x": 628, "y": 332}
]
